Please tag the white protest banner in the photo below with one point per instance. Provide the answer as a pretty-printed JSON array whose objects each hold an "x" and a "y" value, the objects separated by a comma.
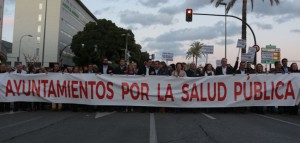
[
  {"x": 247, "y": 57},
  {"x": 207, "y": 49},
  {"x": 218, "y": 63},
  {"x": 252, "y": 50},
  {"x": 241, "y": 43},
  {"x": 159, "y": 91},
  {"x": 167, "y": 56}
]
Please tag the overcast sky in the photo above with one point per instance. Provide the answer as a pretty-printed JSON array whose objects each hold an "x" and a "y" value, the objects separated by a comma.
[{"x": 159, "y": 25}]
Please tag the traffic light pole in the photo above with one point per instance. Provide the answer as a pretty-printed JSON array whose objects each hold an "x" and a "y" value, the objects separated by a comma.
[
  {"x": 254, "y": 38},
  {"x": 232, "y": 17}
]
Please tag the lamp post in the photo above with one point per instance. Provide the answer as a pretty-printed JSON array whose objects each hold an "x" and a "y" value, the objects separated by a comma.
[
  {"x": 18, "y": 59},
  {"x": 225, "y": 5},
  {"x": 126, "y": 49},
  {"x": 45, "y": 26}
]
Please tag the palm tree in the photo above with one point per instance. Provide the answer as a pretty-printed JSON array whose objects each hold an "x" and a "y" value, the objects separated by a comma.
[
  {"x": 194, "y": 51},
  {"x": 244, "y": 13}
]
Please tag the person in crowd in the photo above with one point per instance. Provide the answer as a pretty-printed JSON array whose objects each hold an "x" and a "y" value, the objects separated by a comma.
[
  {"x": 95, "y": 68},
  {"x": 208, "y": 70},
  {"x": 179, "y": 72},
  {"x": 249, "y": 68},
  {"x": 130, "y": 72},
  {"x": 56, "y": 106},
  {"x": 224, "y": 69},
  {"x": 9, "y": 69},
  {"x": 85, "y": 68},
  {"x": 163, "y": 70},
  {"x": 55, "y": 68},
  {"x": 184, "y": 66},
  {"x": 42, "y": 70},
  {"x": 293, "y": 110},
  {"x": 284, "y": 68},
  {"x": 294, "y": 68},
  {"x": 278, "y": 68},
  {"x": 2, "y": 68},
  {"x": 193, "y": 71},
  {"x": 31, "y": 69},
  {"x": 105, "y": 68},
  {"x": 136, "y": 70},
  {"x": 19, "y": 69},
  {"x": 147, "y": 69},
  {"x": 19, "y": 105},
  {"x": 171, "y": 68},
  {"x": 242, "y": 69},
  {"x": 156, "y": 67},
  {"x": 121, "y": 69},
  {"x": 259, "y": 69}
]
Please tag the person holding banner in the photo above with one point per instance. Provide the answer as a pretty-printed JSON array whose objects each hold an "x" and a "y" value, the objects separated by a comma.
[
  {"x": 284, "y": 68},
  {"x": 105, "y": 68},
  {"x": 224, "y": 69},
  {"x": 208, "y": 70},
  {"x": 178, "y": 71},
  {"x": 121, "y": 69},
  {"x": 192, "y": 71},
  {"x": 146, "y": 69},
  {"x": 163, "y": 70},
  {"x": 293, "y": 110}
]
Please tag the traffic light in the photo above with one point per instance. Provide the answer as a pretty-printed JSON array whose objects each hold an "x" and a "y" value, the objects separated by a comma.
[{"x": 189, "y": 15}]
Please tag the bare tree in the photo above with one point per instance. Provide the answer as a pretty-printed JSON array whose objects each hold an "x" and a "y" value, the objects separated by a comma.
[{"x": 31, "y": 60}]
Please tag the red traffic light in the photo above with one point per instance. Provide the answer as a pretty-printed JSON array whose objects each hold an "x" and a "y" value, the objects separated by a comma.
[{"x": 189, "y": 15}]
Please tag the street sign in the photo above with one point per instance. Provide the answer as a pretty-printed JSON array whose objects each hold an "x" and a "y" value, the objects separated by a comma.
[
  {"x": 271, "y": 46},
  {"x": 167, "y": 56},
  {"x": 257, "y": 47},
  {"x": 207, "y": 49},
  {"x": 241, "y": 43},
  {"x": 270, "y": 55}
]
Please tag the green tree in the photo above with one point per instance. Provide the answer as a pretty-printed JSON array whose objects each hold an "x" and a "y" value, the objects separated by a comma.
[
  {"x": 244, "y": 13},
  {"x": 103, "y": 39},
  {"x": 194, "y": 51}
]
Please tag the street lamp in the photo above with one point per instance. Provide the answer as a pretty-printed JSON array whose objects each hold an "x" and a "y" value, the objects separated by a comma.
[
  {"x": 18, "y": 59},
  {"x": 225, "y": 5},
  {"x": 126, "y": 50}
]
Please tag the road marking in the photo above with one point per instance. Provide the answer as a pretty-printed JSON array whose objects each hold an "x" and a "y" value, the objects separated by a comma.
[
  {"x": 153, "y": 137},
  {"x": 10, "y": 113},
  {"x": 208, "y": 116},
  {"x": 99, "y": 115},
  {"x": 19, "y": 123},
  {"x": 279, "y": 120}
]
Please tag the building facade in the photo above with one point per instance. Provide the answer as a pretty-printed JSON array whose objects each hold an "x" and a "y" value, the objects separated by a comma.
[
  {"x": 3, "y": 56},
  {"x": 43, "y": 28}
]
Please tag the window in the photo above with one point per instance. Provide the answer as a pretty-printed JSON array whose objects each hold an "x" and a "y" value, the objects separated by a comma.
[
  {"x": 40, "y": 6},
  {"x": 40, "y": 18},
  {"x": 38, "y": 39},
  {"x": 39, "y": 29}
]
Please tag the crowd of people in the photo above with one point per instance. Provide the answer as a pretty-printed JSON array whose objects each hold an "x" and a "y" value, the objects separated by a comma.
[{"x": 151, "y": 67}]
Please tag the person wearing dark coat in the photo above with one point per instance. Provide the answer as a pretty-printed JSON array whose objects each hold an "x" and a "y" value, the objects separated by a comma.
[
  {"x": 121, "y": 69},
  {"x": 147, "y": 69},
  {"x": 224, "y": 69},
  {"x": 105, "y": 68}
]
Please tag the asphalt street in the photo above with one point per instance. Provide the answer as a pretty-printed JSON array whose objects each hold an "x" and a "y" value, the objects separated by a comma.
[{"x": 115, "y": 127}]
